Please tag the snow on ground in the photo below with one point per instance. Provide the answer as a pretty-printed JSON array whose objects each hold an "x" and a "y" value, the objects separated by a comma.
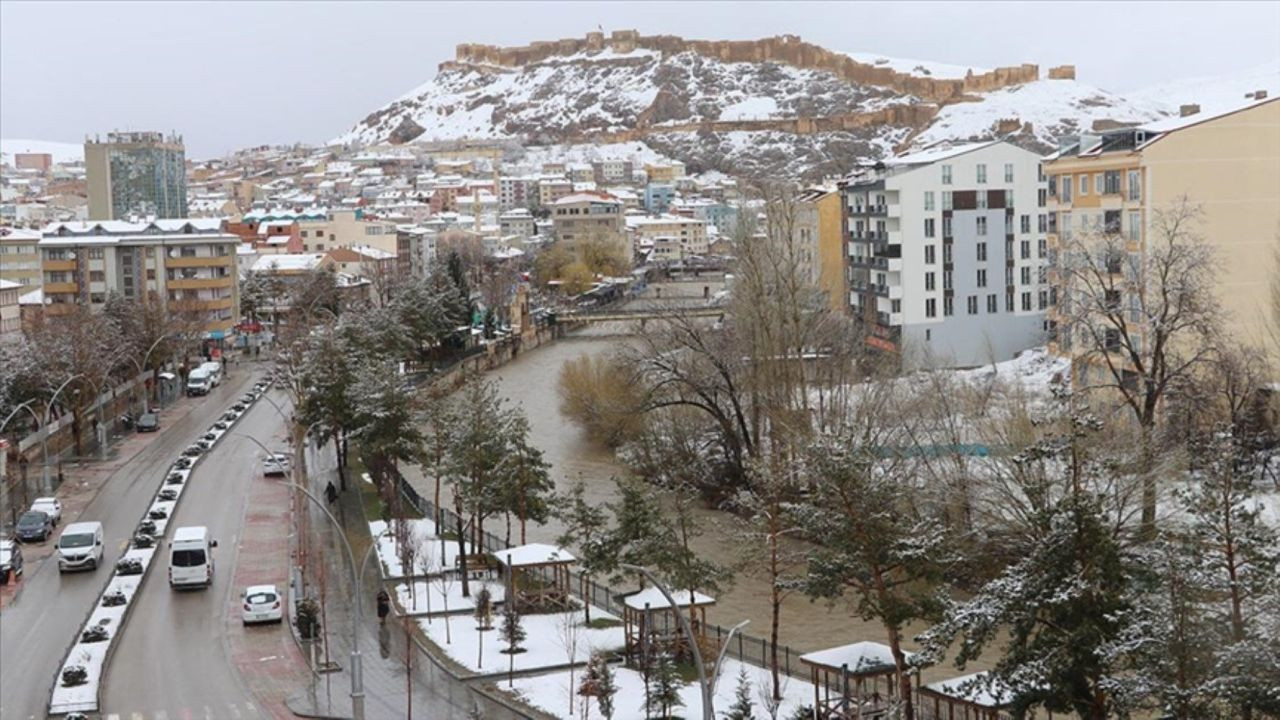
[
  {"x": 544, "y": 646},
  {"x": 420, "y": 603},
  {"x": 1211, "y": 93},
  {"x": 62, "y": 152},
  {"x": 423, "y": 531},
  {"x": 751, "y": 108},
  {"x": 550, "y": 692},
  {"x": 637, "y": 152},
  {"x": 1032, "y": 371},
  {"x": 920, "y": 68}
]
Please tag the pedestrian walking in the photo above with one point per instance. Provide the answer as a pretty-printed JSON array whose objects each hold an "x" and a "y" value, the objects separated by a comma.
[
  {"x": 384, "y": 606},
  {"x": 330, "y": 492}
]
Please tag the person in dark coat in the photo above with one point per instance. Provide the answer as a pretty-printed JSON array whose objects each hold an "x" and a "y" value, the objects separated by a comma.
[{"x": 384, "y": 606}]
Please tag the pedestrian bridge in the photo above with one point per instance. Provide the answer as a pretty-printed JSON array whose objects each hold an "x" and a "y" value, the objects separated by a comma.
[{"x": 624, "y": 314}]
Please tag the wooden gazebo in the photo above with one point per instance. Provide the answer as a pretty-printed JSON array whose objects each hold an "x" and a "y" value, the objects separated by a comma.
[
  {"x": 969, "y": 697},
  {"x": 537, "y": 577},
  {"x": 854, "y": 682},
  {"x": 650, "y": 623}
]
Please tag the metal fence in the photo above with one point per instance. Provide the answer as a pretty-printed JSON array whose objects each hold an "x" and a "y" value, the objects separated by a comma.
[{"x": 746, "y": 648}]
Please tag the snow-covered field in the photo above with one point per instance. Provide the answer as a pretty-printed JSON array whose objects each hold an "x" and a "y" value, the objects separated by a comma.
[
  {"x": 544, "y": 645},
  {"x": 429, "y": 597},
  {"x": 431, "y": 555},
  {"x": 550, "y": 692},
  {"x": 62, "y": 152}
]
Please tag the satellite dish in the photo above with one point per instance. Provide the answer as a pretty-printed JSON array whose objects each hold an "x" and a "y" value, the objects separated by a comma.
[{"x": 71, "y": 255}]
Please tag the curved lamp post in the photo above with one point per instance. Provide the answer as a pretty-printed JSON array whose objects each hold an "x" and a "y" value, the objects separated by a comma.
[
  {"x": 44, "y": 441},
  {"x": 24, "y": 406}
]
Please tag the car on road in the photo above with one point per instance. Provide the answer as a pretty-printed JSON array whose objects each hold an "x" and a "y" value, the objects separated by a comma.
[
  {"x": 49, "y": 506},
  {"x": 149, "y": 422},
  {"x": 261, "y": 604},
  {"x": 275, "y": 464},
  {"x": 191, "y": 557},
  {"x": 80, "y": 547},
  {"x": 34, "y": 525},
  {"x": 10, "y": 561}
]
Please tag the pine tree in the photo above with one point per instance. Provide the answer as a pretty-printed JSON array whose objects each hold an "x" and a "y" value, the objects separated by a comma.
[
  {"x": 513, "y": 634},
  {"x": 605, "y": 685},
  {"x": 665, "y": 694},
  {"x": 742, "y": 708}
]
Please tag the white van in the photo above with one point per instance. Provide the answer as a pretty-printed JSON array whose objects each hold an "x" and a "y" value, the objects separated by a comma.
[
  {"x": 198, "y": 382},
  {"x": 191, "y": 557},
  {"x": 80, "y": 547},
  {"x": 214, "y": 370}
]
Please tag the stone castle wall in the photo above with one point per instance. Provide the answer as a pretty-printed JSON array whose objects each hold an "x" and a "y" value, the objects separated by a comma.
[
  {"x": 784, "y": 49},
  {"x": 913, "y": 116}
]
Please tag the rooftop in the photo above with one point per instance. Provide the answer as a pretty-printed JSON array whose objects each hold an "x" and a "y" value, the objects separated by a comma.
[
  {"x": 654, "y": 599},
  {"x": 861, "y": 657},
  {"x": 533, "y": 554}
]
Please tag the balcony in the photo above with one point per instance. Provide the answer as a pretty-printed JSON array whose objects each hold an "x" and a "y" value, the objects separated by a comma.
[
  {"x": 198, "y": 283},
  {"x": 877, "y": 263},
  {"x": 872, "y": 210},
  {"x": 213, "y": 304},
  {"x": 54, "y": 288},
  {"x": 206, "y": 261},
  {"x": 59, "y": 265}
]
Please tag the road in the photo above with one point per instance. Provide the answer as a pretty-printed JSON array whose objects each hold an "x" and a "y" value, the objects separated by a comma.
[
  {"x": 38, "y": 625},
  {"x": 174, "y": 659}
]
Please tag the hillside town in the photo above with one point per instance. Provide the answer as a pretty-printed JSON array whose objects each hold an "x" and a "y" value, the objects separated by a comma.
[{"x": 637, "y": 377}]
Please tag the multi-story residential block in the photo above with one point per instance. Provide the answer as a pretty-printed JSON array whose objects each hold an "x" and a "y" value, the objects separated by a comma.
[
  {"x": 40, "y": 162},
  {"x": 818, "y": 225},
  {"x": 584, "y": 216},
  {"x": 1225, "y": 162},
  {"x": 681, "y": 236},
  {"x": 10, "y": 311},
  {"x": 552, "y": 189},
  {"x": 713, "y": 212},
  {"x": 187, "y": 264},
  {"x": 518, "y": 222},
  {"x": 136, "y": 174},
  {"x": 415, "y": 250},
  {"x": 20, "y": 257},
  {"x": 517, "y": 192},
  {"x": 658, "y": 197},
  {"x": 664, "y": 172},
  {"x": 612, "y": 171},
  {"x": 945, "y": 253}
]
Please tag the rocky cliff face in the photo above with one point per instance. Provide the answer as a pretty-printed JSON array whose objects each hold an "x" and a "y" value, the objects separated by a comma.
[{"x": 772, "y": 106}]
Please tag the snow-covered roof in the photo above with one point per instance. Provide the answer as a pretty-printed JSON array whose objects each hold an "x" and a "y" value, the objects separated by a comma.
[
  {"x": 861, "y": 657},
  {"x": 35, "y": 297},
  {"x": 287, "y": 262},
  {"x": 8, "y": 284},
  {"x": 533, "y": 554},
  {"x": 1205, "y": 115},
  {"x": 125, "y": 227},
  {"x": 935, "y": 154},
  {"x": 587, "y": 197},
  {"x": 372, "y": 252},
  {"x": 653, "y": 597},
  {"x": 976, "y": 688}
]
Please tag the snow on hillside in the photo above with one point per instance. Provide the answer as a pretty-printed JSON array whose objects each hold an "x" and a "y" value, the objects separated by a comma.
[
  {"x": 1212, "y": 93},
  {"x": 1053, "y": 107},
  {"x": 61, "y": 152},
  {"x": 922, "y": 68},
  {"x": 637, "y": 152}
]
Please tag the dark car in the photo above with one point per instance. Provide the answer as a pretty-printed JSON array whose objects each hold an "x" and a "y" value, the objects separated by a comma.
[
  {"x": 149, "y": 422},
  {"x": 34, "y": 525},
  {"x": 10, "y": 561}
]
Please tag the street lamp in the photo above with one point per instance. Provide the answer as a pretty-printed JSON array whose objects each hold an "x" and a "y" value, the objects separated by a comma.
[
  {"x": 24, "y": 406},
  {"x": 357, "y": 581},
  {"x": 707, "y": 686},
  {"x": 44, "y": 441}
]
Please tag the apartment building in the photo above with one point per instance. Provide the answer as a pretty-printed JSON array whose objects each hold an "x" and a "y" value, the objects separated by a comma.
[
  {"x": 188, "y": 264},
  {"x": 10, "y": 311},
  {"x": 946, "y": 253},
  {"x": 1226, "y": 161},
  {"x": 517, "y": 192},
  {"x": 553, "y": 189},
  {"x": 679, "y": 236},
  {"x": 658, "y": 197},
  {"x": 136, "y": 174},
  {"x": 612, "y": 171},
  {"x": 584, "y": 216},
  {"x": 518, "y": 222},
  {"x": 415, "y": 250},
  {"x": 819, "y": 227},
  {"x": 20, "y": 257}
]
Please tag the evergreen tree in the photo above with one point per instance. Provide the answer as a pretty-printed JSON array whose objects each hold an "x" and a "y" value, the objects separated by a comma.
[
  {"x": 666, "y": 686},
  {"x": 526, "y": 485},
  {"x": 513, "y": 634},
  {"x": 586, "y": 527},
  {"x": 606, "y": 688},
  {"x": 477, "y": 448},
  {"x": 742, "y": 708}
]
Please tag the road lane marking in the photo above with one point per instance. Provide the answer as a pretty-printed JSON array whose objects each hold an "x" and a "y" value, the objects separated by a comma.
[
  {"x": 208, "y": 714},
  {"x": 136, "y": 716},
  {"x": 235, "y": 712},
  {"x": 113, "y": 716},
  {"x": 269, "y": 657},
  {"x": 162, "y": 715}
]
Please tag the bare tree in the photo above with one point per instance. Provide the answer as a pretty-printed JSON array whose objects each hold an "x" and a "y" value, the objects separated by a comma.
[
  {"x": 1141, "y": 318},
  {"x": 570, "y": 632},
  {"x": 446, "y": 581}
]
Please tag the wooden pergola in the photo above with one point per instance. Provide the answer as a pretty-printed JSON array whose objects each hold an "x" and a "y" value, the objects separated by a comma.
[
  {"x": 853, "y": 682},
  {"x": 969, "y": 697},
  {"x": 650, "y": 623},
  {"x": 537, "y": 577}
]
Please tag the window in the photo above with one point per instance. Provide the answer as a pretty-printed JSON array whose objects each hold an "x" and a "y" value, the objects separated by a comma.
[
  {"x": 982, "y": 278},
  {"x": 930, "y": 308},
  {"x": 946, "y": 254},
  {"x": 895, "y": 306},
  {"x": 1044, "y": 299},
  {"x": 1026, "y": 276},
  {"x": 1042, "y": 197},
  {"x": 1135, "y": 226},
  {"x": 1053, "y": 184},
  {"x": 928, "y": 227},
  {"x": 1042, "y": 248},
  {"x": 946, "y": 279},
  {"x": 187, "y": 251},
  {"x": 1026, "y": 301},
  {"x": 1008, "y": 301},
  {"x": 946, "y": 200},
  {"x": 972, "y": 303},
  {"x": 1008, "y": 276},
  {"x": 95, "y": 253},
  {"x": 946, "y": 227},
  {"x": 304, "y": 233},
  {"x": 1066, "y": 226},
  {"x": 930, "y": 256},
  {"x": 930, "y": 281},
  {"x": 1008, "y": 249},
  {"x": 928, "y": 201},
  {"x": 1066, "y": 188},
  {"x": 1135, "y": 186},
  {"x": 1008, "y": 224},
  {"x": 97, "y": 298},
  {"x": 1098, "y": 183},
  {"x": 1042, "y": 223},
  {"x": 993, "y": 304},
  {"x": 1111, "y": 182},
  {"x": 1025, "y": 247},
  {"x": 151, "y": 274},
  {"x": 948, "y": 306},
  {"x": 151, "y": 252},
  {"x": 982, "y": 199},
  {"x": 1025, "y": 223},
  {"x": 1008, "y": 172},
  {"x": 946, "y": 174},
  {"x": 1084, "y": 184},
  {"x": 982, "y": 252},
  {"x": 982, "y": 173},
  {"x": 982, "y": 226},
  {"x": 97, "y": 276}
]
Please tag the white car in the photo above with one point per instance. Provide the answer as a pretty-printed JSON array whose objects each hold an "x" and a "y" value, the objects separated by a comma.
[
  {"x": 275, "y": 464},
  {"x": 261, "y": 604},
  {"x": 49, "y": 506}
]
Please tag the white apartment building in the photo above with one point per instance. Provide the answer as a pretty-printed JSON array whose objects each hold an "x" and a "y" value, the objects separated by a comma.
[
  {"x": 517, "y": 192},
  {"x": 672, "y": 237},
  {"x": 947, "y": 253}
]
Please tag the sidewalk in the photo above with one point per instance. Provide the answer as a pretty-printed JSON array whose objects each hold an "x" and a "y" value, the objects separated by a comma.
[{"x": 388, "y": 688}]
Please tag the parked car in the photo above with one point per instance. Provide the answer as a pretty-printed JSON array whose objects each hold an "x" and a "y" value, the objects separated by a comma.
[
  {"x": 261, "y": 604},
  {"x": 34, "y": 525},
  {"x": 80, "y": 546},
  {"x": 49, "y": 506},
  {"x": 10, "y": 561},
  {"x": 149, "y": 422},
  {"x": 275, "y": 464}
]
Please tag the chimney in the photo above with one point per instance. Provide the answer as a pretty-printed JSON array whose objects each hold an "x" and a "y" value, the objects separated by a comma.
[
  {"x": 1260, "y": 95},
  {"x": 1186, "y": 110}
]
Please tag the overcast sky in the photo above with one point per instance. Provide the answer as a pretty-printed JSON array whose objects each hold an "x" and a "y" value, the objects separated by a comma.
[{"x": 236, "y": 74}]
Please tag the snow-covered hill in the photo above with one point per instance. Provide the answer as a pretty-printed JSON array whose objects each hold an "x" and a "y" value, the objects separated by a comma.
[
  {"x": 1211, "y": 93},
  {"x": 62, "y": 152}
]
